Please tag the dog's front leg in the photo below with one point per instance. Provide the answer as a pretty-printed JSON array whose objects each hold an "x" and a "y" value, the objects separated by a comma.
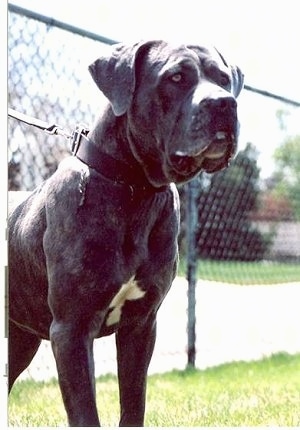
[
  {"x": 73, "y": 352},
  {"x": 134, "y": 351}
]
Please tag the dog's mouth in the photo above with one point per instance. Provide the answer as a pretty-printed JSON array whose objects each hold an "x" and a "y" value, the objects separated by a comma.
[{"x": 214, "y": 156}]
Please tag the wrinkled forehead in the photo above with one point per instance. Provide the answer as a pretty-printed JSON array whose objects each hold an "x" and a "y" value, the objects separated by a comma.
[{"x": 202, "y": 56}]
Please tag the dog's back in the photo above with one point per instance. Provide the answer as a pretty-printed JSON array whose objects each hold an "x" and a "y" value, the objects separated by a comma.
[{"x": 15, "y": 198}]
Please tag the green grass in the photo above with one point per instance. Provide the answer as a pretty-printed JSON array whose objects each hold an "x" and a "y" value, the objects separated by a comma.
[
  {"x": 243, "y": 273},
  {"x": 262, "y": 393}
]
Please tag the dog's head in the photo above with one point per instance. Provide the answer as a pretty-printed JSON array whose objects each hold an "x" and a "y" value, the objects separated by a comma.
[{"x": 180, "y": 103}]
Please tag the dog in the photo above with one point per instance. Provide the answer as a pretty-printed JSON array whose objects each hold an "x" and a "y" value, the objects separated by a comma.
[{"x": 93, "y": 250}]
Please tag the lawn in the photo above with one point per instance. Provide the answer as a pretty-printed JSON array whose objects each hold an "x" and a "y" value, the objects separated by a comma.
[
  {"x": 262, "y": 393},
  {"x": 245, "y": 273}
]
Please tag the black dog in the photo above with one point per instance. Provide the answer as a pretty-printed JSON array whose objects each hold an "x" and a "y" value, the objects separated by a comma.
[{"x": 93, "y": 250}]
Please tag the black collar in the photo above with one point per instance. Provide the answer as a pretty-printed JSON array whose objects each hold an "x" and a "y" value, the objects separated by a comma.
[{"x": 115, "y": 170}]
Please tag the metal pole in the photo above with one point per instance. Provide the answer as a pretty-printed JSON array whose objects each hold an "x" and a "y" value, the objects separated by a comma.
[{"x": 192, "y": 217}]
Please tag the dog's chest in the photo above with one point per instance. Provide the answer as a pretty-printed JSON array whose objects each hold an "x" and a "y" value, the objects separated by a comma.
[{"x": 128, "y": 292}]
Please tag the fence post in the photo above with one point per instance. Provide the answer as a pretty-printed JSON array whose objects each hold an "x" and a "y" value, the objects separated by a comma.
[{"x": 192, "y": 218}]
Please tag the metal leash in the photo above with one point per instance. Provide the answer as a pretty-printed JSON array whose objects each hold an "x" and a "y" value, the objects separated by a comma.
[{"x": 76, "y": 135}]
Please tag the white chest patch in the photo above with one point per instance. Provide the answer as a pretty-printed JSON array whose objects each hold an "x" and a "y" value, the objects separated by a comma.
[{"x": 128, "y": 291}]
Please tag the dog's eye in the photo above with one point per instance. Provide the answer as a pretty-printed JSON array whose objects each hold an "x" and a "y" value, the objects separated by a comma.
[{"x": 177, "y": 77}]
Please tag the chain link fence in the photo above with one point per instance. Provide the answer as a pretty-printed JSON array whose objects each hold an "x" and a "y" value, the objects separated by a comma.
[{"x": 48, "y": 79}]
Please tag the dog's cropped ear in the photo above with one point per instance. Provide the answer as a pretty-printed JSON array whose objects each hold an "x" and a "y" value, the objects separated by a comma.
[
  {"x": 237, "y": 80},
  {"x": 114, "y": 74}
]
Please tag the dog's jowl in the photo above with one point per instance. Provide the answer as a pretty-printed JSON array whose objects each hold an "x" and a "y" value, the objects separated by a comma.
[{"x": 95, "y": 257}]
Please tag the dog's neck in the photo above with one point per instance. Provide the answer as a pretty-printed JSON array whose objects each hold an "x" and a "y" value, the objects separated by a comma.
[
  {"x": 114, "y": 160},
  {"x": 114, "y": 127}
]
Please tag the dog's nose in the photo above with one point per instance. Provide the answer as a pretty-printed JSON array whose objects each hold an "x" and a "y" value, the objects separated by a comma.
[{"x": 223, "y": 104}]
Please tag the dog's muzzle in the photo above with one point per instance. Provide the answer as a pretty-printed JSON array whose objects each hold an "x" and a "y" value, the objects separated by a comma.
[{"x": 211, "y": 136}]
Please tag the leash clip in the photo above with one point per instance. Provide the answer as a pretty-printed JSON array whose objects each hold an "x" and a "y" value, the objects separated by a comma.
[
  {"x": 55, "y": 129},
  {"x": 80, "y": 132}
]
